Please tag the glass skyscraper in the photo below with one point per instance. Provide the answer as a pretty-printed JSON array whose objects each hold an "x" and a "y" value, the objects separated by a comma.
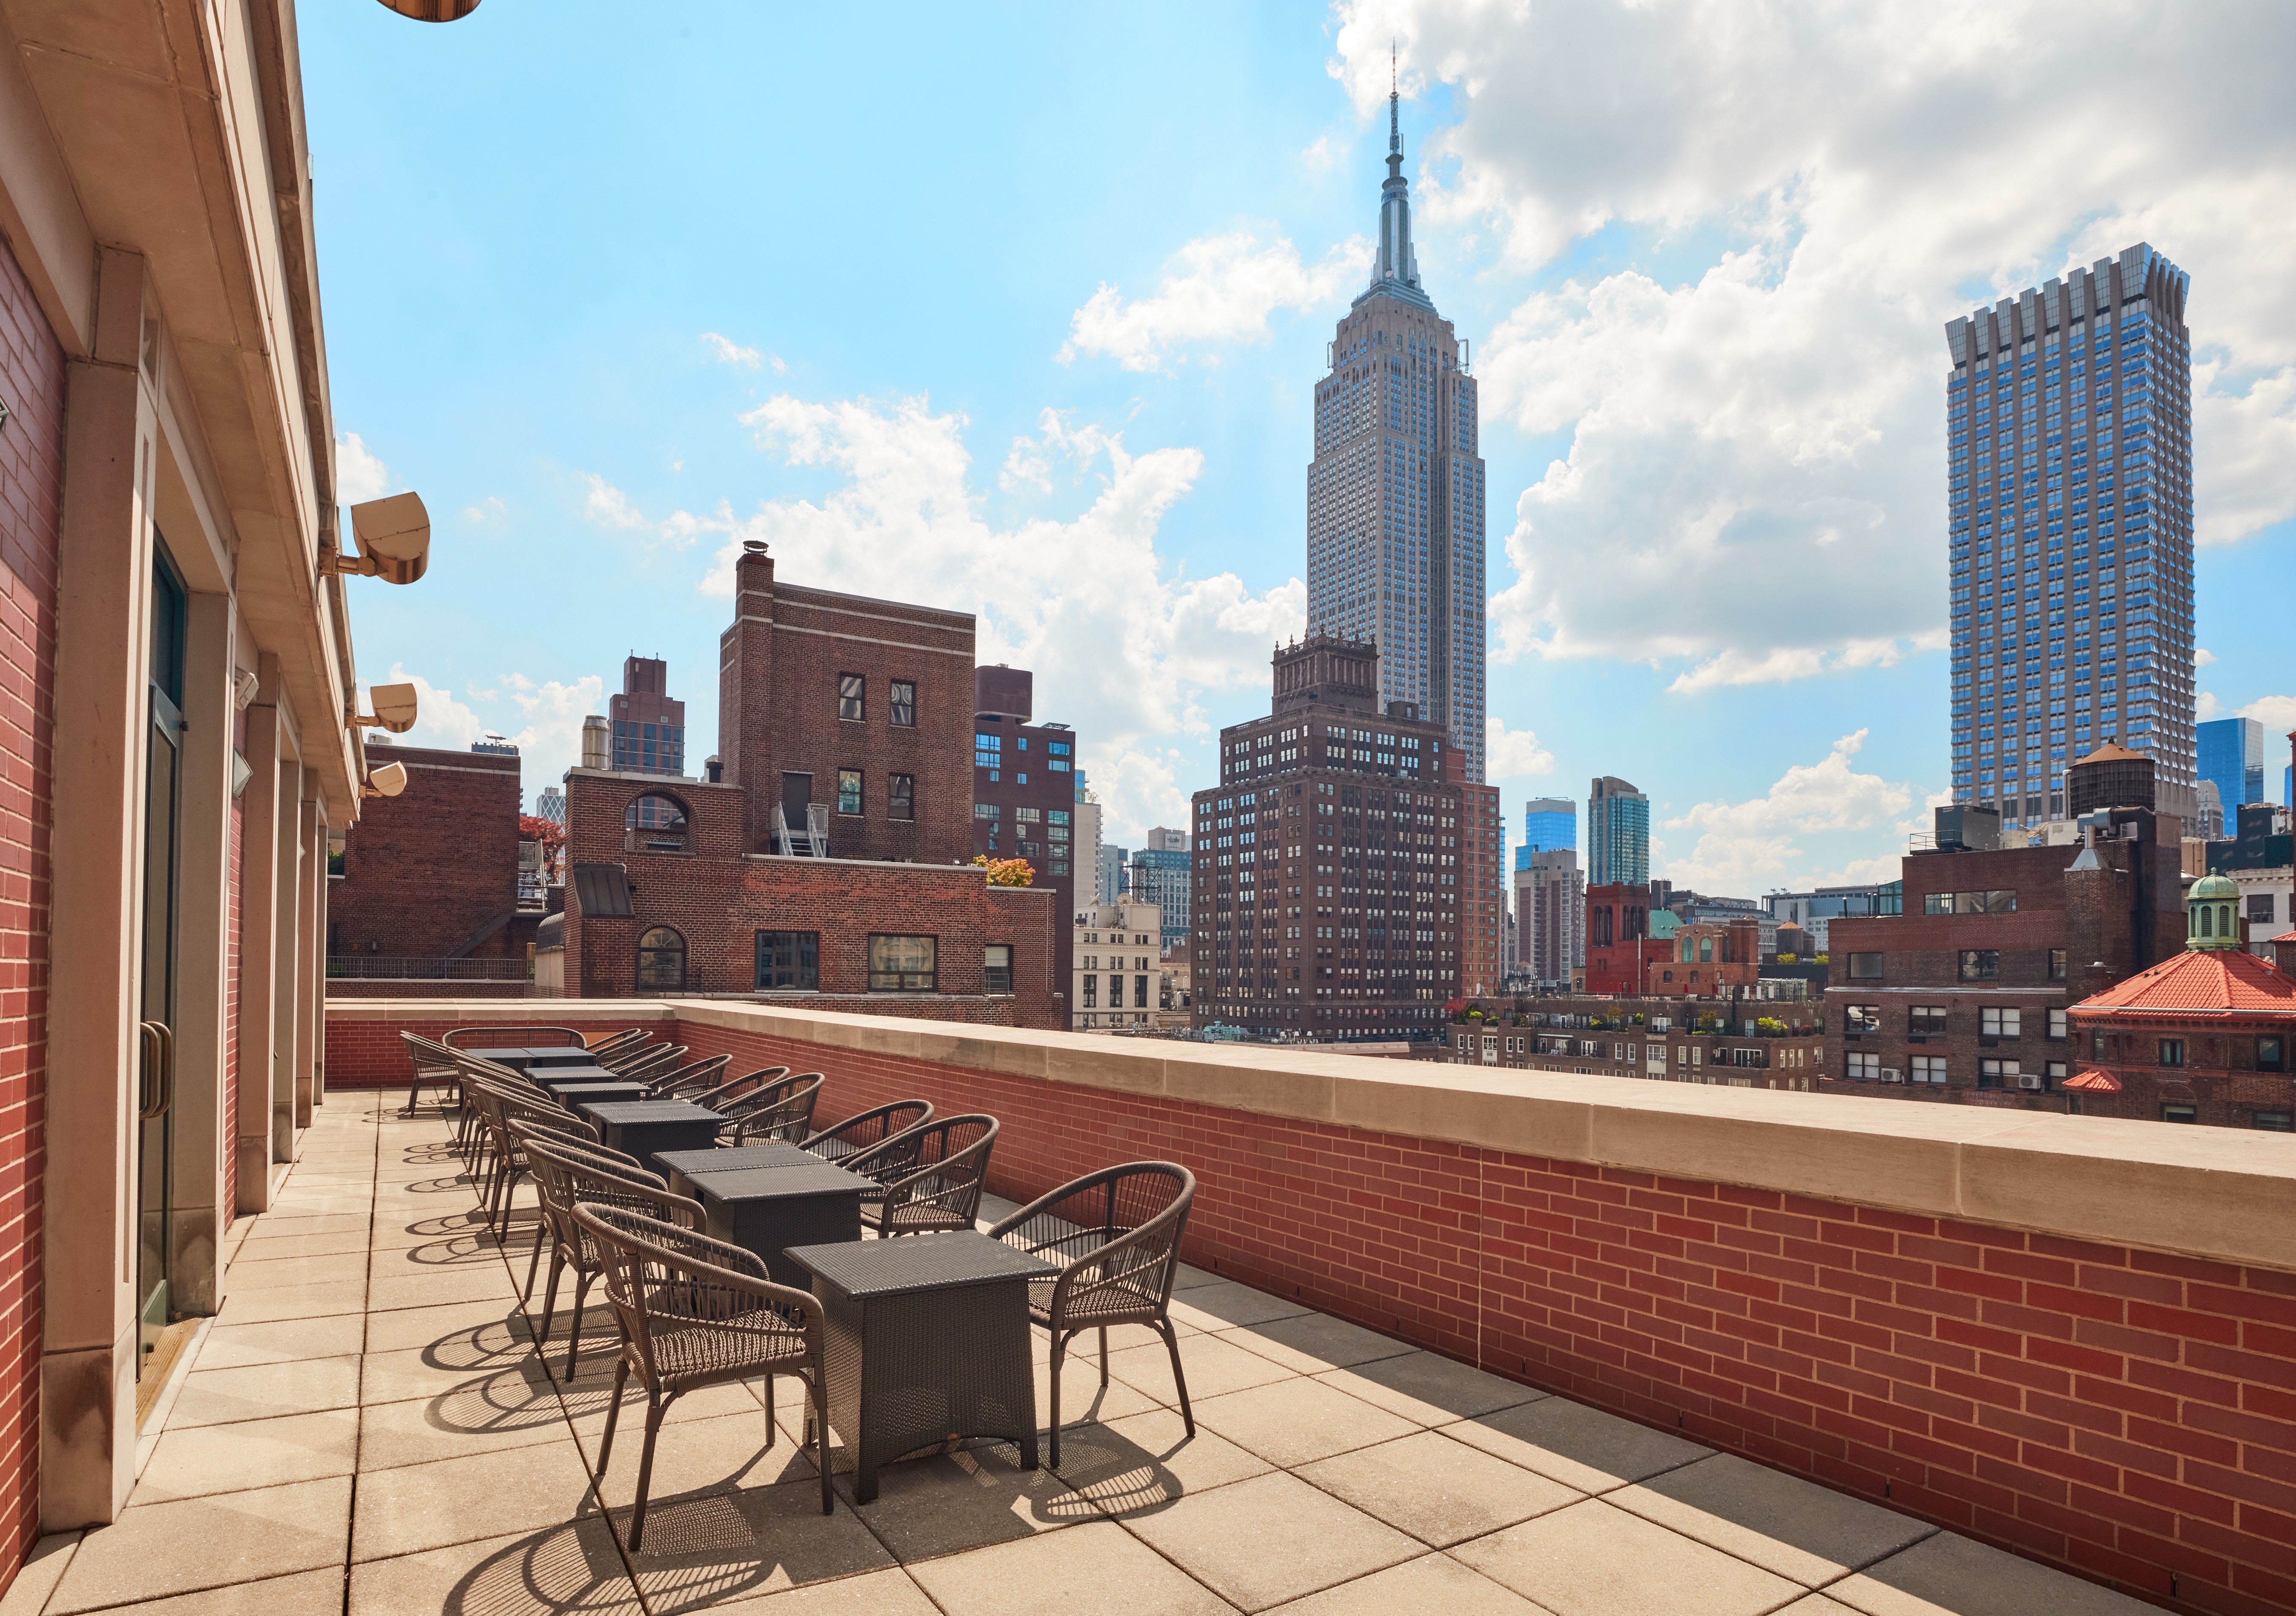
[
  {"x": 2069, "y": 488},
  {"x": 2232, "y": 754},
  {"x": 1618, "y": 834},
  {"x": 1394, "y": 495},
  {"x": 1549, "y": 824}
]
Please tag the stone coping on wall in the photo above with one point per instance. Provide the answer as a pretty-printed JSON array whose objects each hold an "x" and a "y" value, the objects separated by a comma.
[{"x": 2215, "y": 1193}]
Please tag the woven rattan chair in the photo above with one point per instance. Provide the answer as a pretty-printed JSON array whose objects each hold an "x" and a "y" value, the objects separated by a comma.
[
  {"x": 604, "y": 1157},
  {"x": 540, "y": 1116},
  {"x": 780, "y": 1110},
  {"x": 943, "y": 1190},
  {"x": 434, "y": 1064},
  {"x": 657, "y": 1062},
  {"x": 565, "y": 1174},
  {"x": 511, "y": 1038},
  {"x": 859, "y": 1135},
  {"x": 739, "y": 1088},
  {"x": 480, "y": 1078},
  {"x": 1116, "y": 1234},
  {"x": 628, "y": 1037},
  {"x": 695, "y": 1078},
  {"x": 698, "y": 1312}
]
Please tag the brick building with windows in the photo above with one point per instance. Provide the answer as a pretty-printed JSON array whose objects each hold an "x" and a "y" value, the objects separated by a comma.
[
  {"x": 1707, "y": 959},
  {"x": 833, "y": 861},
  {"x": 2207, "y": 1036},
  {"x": 1620, "y": 947},
  {"x": 1965, "y": 998},
  {"x": 1482, "y": 882},
  {"x": 1024, "y": 789},
  {"x": 1119, "y": 980},
  {"x": 1329, "y": 868},
  {"x": 648, "y": 727},
  {"x": 431, "y": 875},
  {"x": 1767, "y": 1045}
]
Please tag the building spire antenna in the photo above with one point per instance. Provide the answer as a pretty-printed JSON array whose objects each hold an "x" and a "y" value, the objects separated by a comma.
[{"x": 1394, "y": 115}]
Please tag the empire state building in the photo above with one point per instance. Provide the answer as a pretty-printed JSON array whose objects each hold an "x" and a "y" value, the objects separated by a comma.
[{"x": 1395, "y": 494}]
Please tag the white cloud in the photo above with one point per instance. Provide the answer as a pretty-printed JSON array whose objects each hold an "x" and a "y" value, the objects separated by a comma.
[
  {"x": 2203, "y": 657},
  {"x": 726, "y": 351},
  {"x": 549, "y": 741},
  {"x": 1745, "y": 848},
  {"x": 2277, "y": 714},
  {"x": 1754, "y": 479},
  {"x": 1130, "y": 644},
  {"x": 1509, "y": 754},
  {"x": 359, "y": 475},
  {"x": 1216, "y": 289},
  {"x": 2206, "y": 708},
  {"x": 607, "y": 506},
  {"x": 489, "y": 509},
  {"x": 1322, "y": 152}
]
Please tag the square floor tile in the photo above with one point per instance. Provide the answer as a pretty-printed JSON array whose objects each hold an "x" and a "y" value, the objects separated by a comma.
[
  {"x": 318, "y": 1592},
  {"x": 1313, "y": 1343},
  {"x": 424, "y": 1507},
  {"x": 710, "y": 1550},
  {"x": 1591, "y": 1560},
  {"x": 424, "y": 1431},
  {"x": 1224, "y": 1305},
  {"x": 1298, "y": 1421},
  {"x": 1098, "y": 1567},
  {"x": 217, "y": 1397},
  {"x": 189, "y": 1463},
  {"x": 258, "y": 1248},
  {"x": 1083, "y": 1399},
  {"x": 435, "y": 1289},
  {"x": 1781, "y": 1523},
  {"x": 1575, "y": 1444},
  {"x": 1428, "y": 1388},
  {"x": 1440, "y": 1491},
  {"x": 470, "y": 1335},
  {"x": 295, "y": 1301},
  {"x": 158, "y": 1549},
  {"x": 1949, "y": 1573},
  {"x": 1212, "y": 1365},
  {"x": 977, "y": 1495},
  {"x": 1147, "y": 1461},
  {"x": 510, "y": 1378},
  {"x": 573, "y": 1570},
  {"x": 1261, "y": 1542},
  {"x": 245, "y": 1346},
  {"x": 692, "y": 1457},
  {"x": 1433, "y": 1585}
]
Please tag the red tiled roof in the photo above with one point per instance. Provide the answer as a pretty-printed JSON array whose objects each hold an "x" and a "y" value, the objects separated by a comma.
[
  {"x": 2203, "y": 979},
  {"x": 2095, "y": 1082}
]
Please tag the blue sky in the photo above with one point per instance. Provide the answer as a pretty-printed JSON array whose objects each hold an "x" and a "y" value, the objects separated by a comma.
[{"x": 615, "y": 287}]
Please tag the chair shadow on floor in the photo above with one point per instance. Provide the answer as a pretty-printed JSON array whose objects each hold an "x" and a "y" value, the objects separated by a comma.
[{"x": 571, "y": 1568}]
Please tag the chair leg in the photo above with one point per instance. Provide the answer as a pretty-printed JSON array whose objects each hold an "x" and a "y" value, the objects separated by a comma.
[
  {"x": 1060, "y": 1351},
  {"x": 1103, "y": 1358},
  {"x": 574, "y": 1336},
  {"x": 819, "y": 1399},
  {"x": 534, "y": 1263},
  {"x": 1179, "y": 1379},
  {"x": 613, "y": 1414},
  {"x": 769, "y": 1409},
  {"x": 550, "y": 1295},
  {"x": 655, "y": 1409}
]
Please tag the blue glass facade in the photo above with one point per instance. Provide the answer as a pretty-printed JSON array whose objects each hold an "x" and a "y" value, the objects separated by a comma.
[
  {"x": 2069, "y": 536},
  {"x": 1549, "y": 823},
  {"x": 2231, "y": 755}
]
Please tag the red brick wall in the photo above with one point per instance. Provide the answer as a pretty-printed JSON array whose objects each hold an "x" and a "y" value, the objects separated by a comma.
[
  {"x": 370, "y": 1055},
  {"x": 31, "y": 493},
  {"x": 2124, "y": 1413},
  {"x": 425, "y": 869},
  {"x": 402, "y": 987}
]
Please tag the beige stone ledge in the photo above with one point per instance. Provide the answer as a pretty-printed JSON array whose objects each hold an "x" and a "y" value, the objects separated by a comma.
[{"x": 2209, "y": 1192}]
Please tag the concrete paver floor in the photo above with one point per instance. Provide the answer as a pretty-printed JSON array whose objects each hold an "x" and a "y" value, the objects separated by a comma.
[{"x": 367, "y": 1427}]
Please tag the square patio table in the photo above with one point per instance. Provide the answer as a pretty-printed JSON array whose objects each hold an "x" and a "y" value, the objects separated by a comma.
[
  {"x": 764, "y": 1210},
  {"x": 523, "y": 1057},
  {"x": 557, "y": 1078},
  {"x": 642, "y": 1127},
  {"x": 683, "y": 1169},
  {"x": 927, "y": 1341},
  {"x": 572, "y": 1095}
]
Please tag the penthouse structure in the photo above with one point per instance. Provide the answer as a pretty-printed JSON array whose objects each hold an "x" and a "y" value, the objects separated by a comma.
[{"x": 1329, "y": 864}]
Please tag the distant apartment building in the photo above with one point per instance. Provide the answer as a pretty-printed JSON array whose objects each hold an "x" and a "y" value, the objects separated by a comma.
[
  {"x": 495, "y": 745},
  {"x": 1549, "y": 823},
  {"x": 1771, "y": 1045},
  {"x": 1113, "y": 880},
  {"x": 2069, "y": 477},
  {"x": 550, "y": 804},
  {"x": 1328, "y": 866},
  {"x": 1117, "y": 951},
  {"x": 1159, "y": 874},
  {"x": 647, "y": 727},
  {"x": 2260, "y": 862},
  {"x": 1620, "y": 944},
  {"x": 431, "y": 878},
  {"x": 1617, "y": 835},
  {"x": 1085, "y": 861},
  {"x": 1815, "y": 911},
  {"x": 1709, "y": 959},
  {"x": 1482, "y": 877},
  {"x": 2232, "y": 758},
  {"x": 1024, "y": 787},
  {"x": 1550, "y": 905}
]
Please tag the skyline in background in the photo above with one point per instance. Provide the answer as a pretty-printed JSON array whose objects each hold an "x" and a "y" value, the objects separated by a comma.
[{"x": 1705, "y": 331}]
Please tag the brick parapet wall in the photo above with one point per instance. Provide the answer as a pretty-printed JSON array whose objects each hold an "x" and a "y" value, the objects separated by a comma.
[{"x": 2125, "y": 1411}]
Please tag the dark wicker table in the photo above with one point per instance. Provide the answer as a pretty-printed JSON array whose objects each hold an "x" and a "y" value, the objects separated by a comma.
[
  {"x": 763, "y": 1209},
  {"x": 684, "y": 1169},
  {"x": 927, "y": 1341},
  {"x": 644, "y": 1128},
  {"x": 537, "y": 1058},
  {"x": 573, "y": 1095},
  {"x": 554, "y": 1078}
]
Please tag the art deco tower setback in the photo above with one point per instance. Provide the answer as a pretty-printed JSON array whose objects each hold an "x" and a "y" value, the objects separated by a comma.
[
  {"x": 2069, "y": 416},
  {"x": 1395, "y": 494}
]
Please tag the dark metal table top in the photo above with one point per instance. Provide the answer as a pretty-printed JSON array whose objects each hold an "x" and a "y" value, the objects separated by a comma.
[
  {"x": 503, "y": 1053},
  {"x": 552, "y": 1076},
  {"x": 598, "y": 1091},
  {"x": 865, "y": 1268},
  {"x": 621, "y": 1113},
  {"x": 778, "y": 1183},
  {"x": 747, "y": 1158}
]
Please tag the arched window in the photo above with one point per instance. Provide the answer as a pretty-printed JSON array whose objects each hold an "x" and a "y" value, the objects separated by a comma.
[
  {"x": 2208, "y": 921},
  {"x": 654, "y": 823},
  {"x": 662, "y": 961},
  {"x": 1705, "y": 950},
  {"x": 2224, "y": 928}
]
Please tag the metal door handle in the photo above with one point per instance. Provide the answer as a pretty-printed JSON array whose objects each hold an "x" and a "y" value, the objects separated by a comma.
[{"x": 155, "y": 1090}]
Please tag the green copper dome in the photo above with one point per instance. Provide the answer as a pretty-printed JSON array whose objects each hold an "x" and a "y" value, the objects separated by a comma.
[{"x": 2212, "y": 913}]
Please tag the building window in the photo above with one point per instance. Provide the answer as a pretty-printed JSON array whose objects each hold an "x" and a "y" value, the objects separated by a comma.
[
  {"x": 2057, "y": 1026},
  {"x": 902, "y": 964},
  {"x": 849, "y": 686},
  {"x": 1865, "y": 1068},
  {"x": 655, "y": 824},
  {"x": 2001, "y": 1023},
  {"x": 1980, "y": 965},
  {"x": 1091, "y": 992},
  {"x": 1929, "y": 1068},
  {"x": 997, "y": 968},
  {"x": 1140, "y": 993},
  {"x": 904, "y": 707},
  {"x": 788, "y": 959},
  {"x": 848, "y": 791},
  {"x": 1926, "y": 1021},
  {"x": 1995, "y": 1074},
  {"x": 2271, "y": 1054},
  {"x": 2172, "y": 1052},
  {"x": 2260, "y": 909},
  {"x": 988, "y": 752},
  {"x": 2056, "y": 965},
  {"x": 901, "y": 801},
  {"x": 2096, "y": 1046},
  {"x": 662, "y": 961},
  {"x": 1858, "y": 1020},
  {"x": 2277, "y": 1121},
  {"x": 1866, "y": 967},
  {"x": 2180, "y": 1114}
]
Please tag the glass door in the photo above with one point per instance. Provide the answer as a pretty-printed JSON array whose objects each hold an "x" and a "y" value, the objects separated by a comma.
[{"x": 155, "y": 1043}]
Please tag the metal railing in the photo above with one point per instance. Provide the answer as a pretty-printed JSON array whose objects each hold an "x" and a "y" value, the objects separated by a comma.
[{"x": 383, "y": 966}]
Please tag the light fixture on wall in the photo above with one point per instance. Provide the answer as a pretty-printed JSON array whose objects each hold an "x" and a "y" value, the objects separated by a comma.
[
  {"x": 395, "y": 709},
  {"x": 243, "y": 686},
  {"x": 388, "y": 781},
  {"x": 393, "y": 535},
  {"x": 240, "y": 772}
]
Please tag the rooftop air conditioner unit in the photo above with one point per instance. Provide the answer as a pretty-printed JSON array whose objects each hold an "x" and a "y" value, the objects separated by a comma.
[
  {"x": 2028, "y": 1080},
  {"x": 1890, "y": 1074}
]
